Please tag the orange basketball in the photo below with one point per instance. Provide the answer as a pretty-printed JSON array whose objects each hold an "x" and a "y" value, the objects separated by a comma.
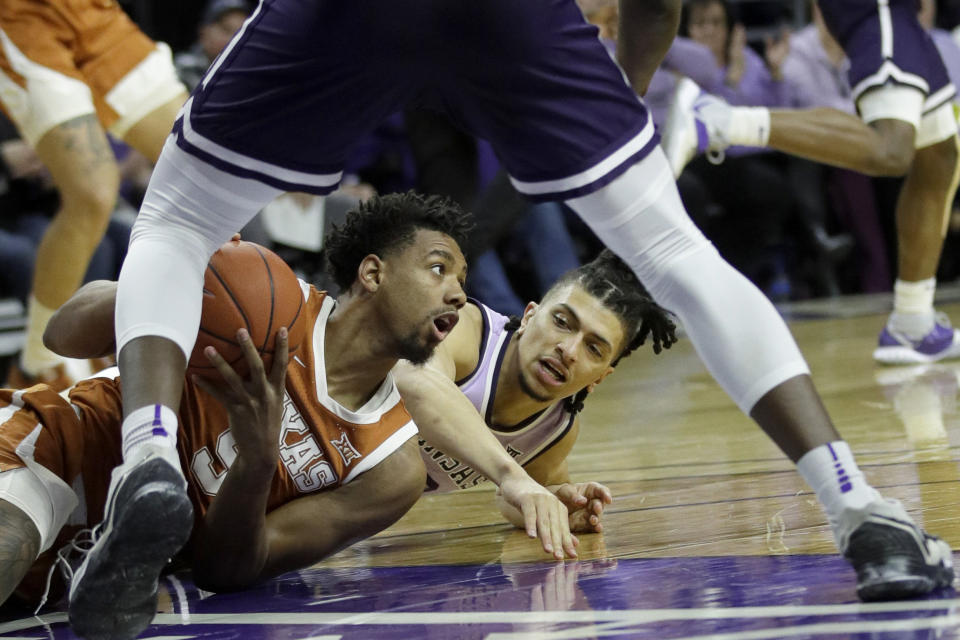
[{"x": 247, "y": 286}]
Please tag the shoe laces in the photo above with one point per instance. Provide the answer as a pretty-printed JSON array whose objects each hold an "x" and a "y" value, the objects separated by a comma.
[{"x": 69, "y": 556}]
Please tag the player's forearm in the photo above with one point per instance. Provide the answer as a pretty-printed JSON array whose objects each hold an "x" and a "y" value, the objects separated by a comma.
[
  {"x": 231, "y": 549},
  {"x": 83, "y": 326},
  {"x": 647, "y": 28},
  {"x": 448, "y": 421}
]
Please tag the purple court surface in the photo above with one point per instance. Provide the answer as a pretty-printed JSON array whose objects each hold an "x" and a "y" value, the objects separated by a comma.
[{"x": 797, "y": 596}]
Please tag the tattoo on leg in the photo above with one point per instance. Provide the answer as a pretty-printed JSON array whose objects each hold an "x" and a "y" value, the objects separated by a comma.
[
  {"x": 84, "y": 136},
  {"x": 19, "y": 547}
]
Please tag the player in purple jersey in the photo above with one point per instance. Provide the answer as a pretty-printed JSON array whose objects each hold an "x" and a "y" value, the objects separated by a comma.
[
  {"x": 526, "y": 379},
  {"x": 906, "y": 127},
  {"x": 303, "y": 78}
]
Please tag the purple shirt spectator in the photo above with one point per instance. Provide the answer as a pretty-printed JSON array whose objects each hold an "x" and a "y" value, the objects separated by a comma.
[
  {"x": 814, "y": 80},
  {"x": 756, "y": 88},
  {"x": 694, "y": 60}
]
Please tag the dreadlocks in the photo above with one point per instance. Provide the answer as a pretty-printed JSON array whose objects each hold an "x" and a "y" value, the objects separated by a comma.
[{"x": 608, "y": 279}]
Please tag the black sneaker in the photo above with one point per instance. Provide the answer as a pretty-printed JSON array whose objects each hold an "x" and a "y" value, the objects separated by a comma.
[
  {"x": 893, "y": 557},
  {"x": 148, "y": 519}
]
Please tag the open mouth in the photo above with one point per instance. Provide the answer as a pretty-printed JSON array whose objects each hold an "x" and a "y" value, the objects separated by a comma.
[
  {"x": 554, "y": 369},
  {"x": 444, "y": 323}
]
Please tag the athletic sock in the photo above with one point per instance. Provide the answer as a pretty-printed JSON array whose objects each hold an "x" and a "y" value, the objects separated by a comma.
[
  {"x": 151, "y": 429},
  {"x": 35, "y": 358},
  {"x": 913, "y": 314},
  {"x": 749, "y": 126},
  {"x": 833, "y": 474}
]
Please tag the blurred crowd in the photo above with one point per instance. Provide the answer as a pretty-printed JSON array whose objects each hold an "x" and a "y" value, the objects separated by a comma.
[{"x": 796, "y": 228}]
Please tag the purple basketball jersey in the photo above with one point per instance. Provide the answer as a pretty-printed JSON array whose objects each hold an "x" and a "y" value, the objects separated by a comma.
[{"x": 304, "y": 79}]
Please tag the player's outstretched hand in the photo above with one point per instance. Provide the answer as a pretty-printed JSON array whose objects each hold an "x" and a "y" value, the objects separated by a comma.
[
  {"x": 585, "y": 502},
  {"x": 544, "y": 515},
  {"x": 254, "y": 405}
]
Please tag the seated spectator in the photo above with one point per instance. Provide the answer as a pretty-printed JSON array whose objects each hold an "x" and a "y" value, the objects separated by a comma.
[
  {"x": 740, "y": 202},
  {"x": 816, "y": 70}
]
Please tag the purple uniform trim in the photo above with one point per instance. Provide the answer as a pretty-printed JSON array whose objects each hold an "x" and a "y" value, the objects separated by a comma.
[
  {"x": 886, "y": 44},
  {"x": 304, "y": 79}
]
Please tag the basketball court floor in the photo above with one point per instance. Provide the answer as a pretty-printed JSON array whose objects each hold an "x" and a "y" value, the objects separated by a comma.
[{"x": 712, "y": 534}]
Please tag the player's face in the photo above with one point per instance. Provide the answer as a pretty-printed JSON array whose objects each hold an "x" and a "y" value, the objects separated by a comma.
[
  {"x": 566, "y": 343},
  {"x": 423, "y": 293}
]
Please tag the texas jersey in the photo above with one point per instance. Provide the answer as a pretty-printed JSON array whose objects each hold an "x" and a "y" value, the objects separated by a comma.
[
  {"x": 524, "y": 441},
  {"x": 322, "y": 444}
]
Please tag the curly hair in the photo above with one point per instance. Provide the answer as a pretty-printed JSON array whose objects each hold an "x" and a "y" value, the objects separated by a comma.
[
  {"x": 389, "y": 223},
  {"x": 612, "y": 282}
]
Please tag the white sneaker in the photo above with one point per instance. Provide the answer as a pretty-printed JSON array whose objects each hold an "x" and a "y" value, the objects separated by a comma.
[{"x": 695, "y": 124}]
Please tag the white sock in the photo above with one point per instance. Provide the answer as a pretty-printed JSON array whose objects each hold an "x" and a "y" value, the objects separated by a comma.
[
  {"x": 153, "y": 426},
  {"x": 36, "y": 358},
  {"x": 913, "y": 307},
  {"x": 833, "y": 474},
  {"x": 749, "y": 126}
]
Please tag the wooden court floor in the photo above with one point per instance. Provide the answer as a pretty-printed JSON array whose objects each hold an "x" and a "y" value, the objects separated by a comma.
[
  {"x": 692, "y": 476},
  {"x": 712, "y": 534}
]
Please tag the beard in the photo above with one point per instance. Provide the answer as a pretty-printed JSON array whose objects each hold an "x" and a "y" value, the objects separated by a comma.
[
  {"x": 415, "y": 349},
  {"x": 527, "y": 389}
]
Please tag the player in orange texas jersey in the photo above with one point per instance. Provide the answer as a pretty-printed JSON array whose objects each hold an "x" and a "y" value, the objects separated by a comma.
[
  {"x": 70, "y": 73},
  {"x": 323, "y": 440}
]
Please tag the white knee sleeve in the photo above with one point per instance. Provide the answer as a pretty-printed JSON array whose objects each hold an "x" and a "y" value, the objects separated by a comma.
[
  {"x": 736, "y": 331},
  {"x": 190, "y": 209}
]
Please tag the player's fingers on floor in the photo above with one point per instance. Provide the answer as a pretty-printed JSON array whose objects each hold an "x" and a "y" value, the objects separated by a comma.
[
  {"x": 567, "y": 539},
  {"x": 550, "y": 533}
]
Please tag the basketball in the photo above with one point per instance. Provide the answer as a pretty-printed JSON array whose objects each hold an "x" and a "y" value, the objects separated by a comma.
[{"x": 246, "y": 286}]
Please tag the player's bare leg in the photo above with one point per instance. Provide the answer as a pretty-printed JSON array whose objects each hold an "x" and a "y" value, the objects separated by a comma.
[
  {"x": 82, "y": 166},
  {"x": 19, "y": 547},
  {"x": 923, "y": 208},
  {"x": 149, "y": 134},
  {"x": 794, "y": 417}
]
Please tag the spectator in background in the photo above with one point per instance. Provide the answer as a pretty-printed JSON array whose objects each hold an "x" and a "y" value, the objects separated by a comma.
[
  {"x": 73, "y": 72},
  {"x": 221, "y": 19},
  {"x": 740, "y": 202}
]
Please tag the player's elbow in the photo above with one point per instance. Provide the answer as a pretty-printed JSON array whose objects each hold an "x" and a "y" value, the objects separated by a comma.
[{"x": 54, "y": 336}]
